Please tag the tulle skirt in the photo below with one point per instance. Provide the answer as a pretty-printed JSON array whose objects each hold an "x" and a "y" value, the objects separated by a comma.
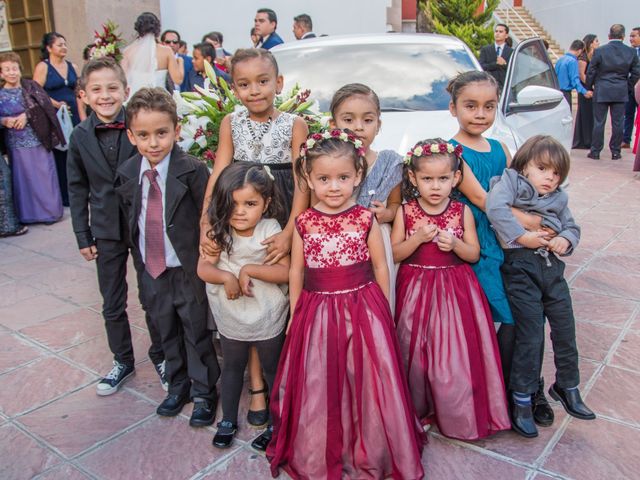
[
  {"x": 449, "y": 350},
  {"x": 340, "y": 403}
]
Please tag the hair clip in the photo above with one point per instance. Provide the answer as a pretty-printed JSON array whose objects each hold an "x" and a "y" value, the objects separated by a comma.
[{"x": 268, "y": 170}]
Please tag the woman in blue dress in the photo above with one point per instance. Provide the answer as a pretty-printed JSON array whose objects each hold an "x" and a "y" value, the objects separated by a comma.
[{"x": 59, "y": 78}]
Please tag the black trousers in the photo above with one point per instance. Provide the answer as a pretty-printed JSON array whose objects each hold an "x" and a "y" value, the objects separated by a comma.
[
  {"x": 236, "y": 355},
  {"x": 599, "y": 119},
  {"x": 60, "y": 158},
  {"x": 568, "y": 98},
  {"x": 629, "y": 116},
  {"x": 112, "y": 280},
  {"x": 535, "y": 290},
  {"x": 192, "y": 366}
]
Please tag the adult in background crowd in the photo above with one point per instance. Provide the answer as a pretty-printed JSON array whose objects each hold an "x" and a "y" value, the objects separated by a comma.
[
  {"x": 9, "y": 222},
  {"x": 494, "y": 58},
  {"x": 631, "y": 105},
  {"x": 255, "y": 38},
  {"x": 146, "y": 62},
  {"x": 171, "y": 39},
  {"x": 568, "y": 75},
  {"x": 223, "y": 57},
  {"x": 610, "y": 72},
  {"x": 584, "y": 115},
  {"x": 636, "y": 147},
  {"x": 201, "y": 52},
  {"x": 59, "y": 77},
  {"x": 31, "y": 130},
  {"x": 265, "y": 23},
  {"x": 303, "y": 27}
]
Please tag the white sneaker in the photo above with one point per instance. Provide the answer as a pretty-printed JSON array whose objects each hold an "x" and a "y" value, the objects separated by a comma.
[{"x": 112, "y": 382}]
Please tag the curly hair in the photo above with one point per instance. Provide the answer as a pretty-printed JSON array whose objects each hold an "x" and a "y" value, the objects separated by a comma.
[
  {"x": 409, "y": 191},
  {"x": 234, "y": 177},
  {"x": 147, "y": 22}
]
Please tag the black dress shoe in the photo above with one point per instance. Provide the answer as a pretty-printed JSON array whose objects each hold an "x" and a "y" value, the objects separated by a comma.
[
  {"x": 259, "y": 418},
  {"x": 572, "y": 402},
  {"x": 542, "y": 411},
  {"x": 262, "y": 441},
  {"x": 172, "y": 405},
  {"x": 594, "y": 156},
  {"x": 522, "y": 420},
  {"x": 616, "y": 156},
  {"x": 204, "y": 413},
  {"x": 224, "y": 436}
]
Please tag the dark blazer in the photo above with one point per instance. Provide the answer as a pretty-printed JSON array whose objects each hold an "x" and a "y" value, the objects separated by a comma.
[
  {"x": 613, "y": 71},
  {"x": 273, "y": 40},
  {"x": 186, "y": 183},
  {"x": 195, "y": 78},
  {"x": 489, "y": 61},
  {"x": 92, "y": 184},
  {"x": 308, "y": 35}
]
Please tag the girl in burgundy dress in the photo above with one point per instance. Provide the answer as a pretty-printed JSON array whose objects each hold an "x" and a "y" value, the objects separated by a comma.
[
  {"x": 340, "y": 403},
  {"x": 444, "y": 323}
]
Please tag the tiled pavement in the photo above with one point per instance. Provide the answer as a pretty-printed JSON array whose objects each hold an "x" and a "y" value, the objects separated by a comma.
[{"x": 53, "y": 347}]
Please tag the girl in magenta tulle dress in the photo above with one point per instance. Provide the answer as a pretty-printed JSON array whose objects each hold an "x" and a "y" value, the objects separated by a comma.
[
  {"x": 443, "y": 320},
  {"x": 340, "y": 403}
]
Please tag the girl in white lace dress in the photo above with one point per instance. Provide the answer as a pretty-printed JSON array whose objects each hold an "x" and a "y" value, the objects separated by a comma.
[{"x": 260, "y": 133}]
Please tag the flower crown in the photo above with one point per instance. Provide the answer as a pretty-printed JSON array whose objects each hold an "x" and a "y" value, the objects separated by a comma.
[
  {"x": 428, "y": 149},
  {"x": 316, "y": 138}
]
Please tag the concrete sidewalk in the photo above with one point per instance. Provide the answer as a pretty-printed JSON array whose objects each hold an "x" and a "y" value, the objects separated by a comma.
[{"x": 53, "y": 349}]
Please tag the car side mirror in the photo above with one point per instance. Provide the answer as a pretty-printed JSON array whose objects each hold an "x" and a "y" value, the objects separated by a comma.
[{"x": 534, "y": 98}]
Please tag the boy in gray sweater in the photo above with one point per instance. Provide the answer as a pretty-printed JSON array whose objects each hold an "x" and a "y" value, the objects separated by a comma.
[{"x": 534, "y": 277}]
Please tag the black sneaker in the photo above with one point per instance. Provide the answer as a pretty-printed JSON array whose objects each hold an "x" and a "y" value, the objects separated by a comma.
[
  {"x": 161, "y": 371},
  {"x": 224, "y": 436},
  {"x": 261, "y": 442},
  {"x": 112, "y": 382}
]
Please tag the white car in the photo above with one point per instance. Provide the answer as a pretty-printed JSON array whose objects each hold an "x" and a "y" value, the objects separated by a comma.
[{"x": 410, "y": 73}]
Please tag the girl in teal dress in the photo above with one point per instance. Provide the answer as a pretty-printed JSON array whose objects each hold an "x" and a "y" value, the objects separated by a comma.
[{"x": 474, "y": 103}]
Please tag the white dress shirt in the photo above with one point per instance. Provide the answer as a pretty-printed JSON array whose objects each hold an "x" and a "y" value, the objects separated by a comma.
[{"x": 170, "y": 256}]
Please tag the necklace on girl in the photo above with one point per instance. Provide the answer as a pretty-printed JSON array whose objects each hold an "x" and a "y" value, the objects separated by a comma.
[{"x": 258, "y": 130}]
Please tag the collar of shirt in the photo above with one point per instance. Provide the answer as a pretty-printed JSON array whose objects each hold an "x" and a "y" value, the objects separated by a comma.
[
  {"x": 501, "y": 46},
  {"x": 264, "y": 39},
  {"x": 162, "y": 168}
]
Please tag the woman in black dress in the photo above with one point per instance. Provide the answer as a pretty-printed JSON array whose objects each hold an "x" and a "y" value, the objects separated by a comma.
[{"x": 584, "y": 115}]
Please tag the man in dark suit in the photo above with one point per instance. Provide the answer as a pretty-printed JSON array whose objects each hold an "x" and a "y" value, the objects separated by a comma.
[
  {"x": 98, "y": 145},
  {"x": 613, "y": 69},
  {"x": 162, "y": 191},
  {"x": 303, "y": 27},
  {"x": 265, "y": 23},
  {"x": 494, "y": 58},
  {"x": 631, "y": 105}
]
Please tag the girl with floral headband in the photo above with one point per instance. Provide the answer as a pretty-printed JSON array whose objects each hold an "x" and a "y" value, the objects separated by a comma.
[
  {"x": 340, "y": 404},
  {"x": 443, "y": 320}
]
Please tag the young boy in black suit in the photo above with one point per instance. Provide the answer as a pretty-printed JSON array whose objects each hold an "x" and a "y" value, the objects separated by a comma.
[
  {"x": 98, "y": 145},
  {"x": 162, "y": 190}
]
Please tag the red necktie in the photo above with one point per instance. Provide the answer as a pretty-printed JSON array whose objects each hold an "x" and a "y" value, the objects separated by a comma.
[{"x": 154, "y": 258}]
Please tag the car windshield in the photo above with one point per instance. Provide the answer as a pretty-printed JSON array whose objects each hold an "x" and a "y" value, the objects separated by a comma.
[{"x": 406, "y": 77}]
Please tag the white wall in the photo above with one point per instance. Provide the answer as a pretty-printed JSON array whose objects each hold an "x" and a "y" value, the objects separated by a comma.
[
  {"x": 234, "y": 18},
  {"x": 568, "y": 20}
]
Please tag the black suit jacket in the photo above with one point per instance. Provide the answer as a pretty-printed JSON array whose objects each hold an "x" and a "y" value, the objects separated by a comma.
[
  {"x": 614, "y": 70},
  {"x": 95, "y": 210},
  {"x": 186, "y": 183},
  {"x": 489, "y": 61}
]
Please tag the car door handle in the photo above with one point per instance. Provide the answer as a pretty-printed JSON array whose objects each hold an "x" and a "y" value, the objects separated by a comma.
[{"x": 566, "y": 120}]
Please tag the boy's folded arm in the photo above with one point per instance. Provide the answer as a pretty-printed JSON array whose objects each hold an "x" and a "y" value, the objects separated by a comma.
[{"x": 499, "y": 211}]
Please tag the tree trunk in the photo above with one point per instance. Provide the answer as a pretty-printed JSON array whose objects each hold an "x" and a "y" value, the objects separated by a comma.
[{"x": 423, "y": 17}]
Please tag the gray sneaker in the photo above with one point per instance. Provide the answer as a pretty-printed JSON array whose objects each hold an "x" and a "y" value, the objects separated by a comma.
[{"x": 162, "y": 373}]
